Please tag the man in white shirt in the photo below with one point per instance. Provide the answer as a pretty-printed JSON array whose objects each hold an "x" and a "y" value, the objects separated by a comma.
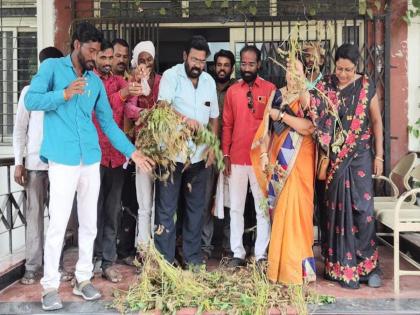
[{"x": 27, "y": 135}]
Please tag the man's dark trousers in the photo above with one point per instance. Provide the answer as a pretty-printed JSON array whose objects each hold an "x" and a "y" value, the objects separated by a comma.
[
  {"x": 109, "y": 208},
  {"x": 191, "y": 183}
]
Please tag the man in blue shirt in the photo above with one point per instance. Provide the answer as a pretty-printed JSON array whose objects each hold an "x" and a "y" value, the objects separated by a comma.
[
  {"x": 192, "y": 93},
  {"x": 68, "y": 92}
]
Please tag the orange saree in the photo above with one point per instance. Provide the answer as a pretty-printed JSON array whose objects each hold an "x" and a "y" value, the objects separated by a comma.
[{"x": 288, "y": 186}]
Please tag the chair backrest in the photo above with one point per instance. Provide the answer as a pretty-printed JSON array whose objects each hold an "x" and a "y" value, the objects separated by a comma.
[
  {"x": 403, "y": 168},
  {"x": 415, "y": 173}
]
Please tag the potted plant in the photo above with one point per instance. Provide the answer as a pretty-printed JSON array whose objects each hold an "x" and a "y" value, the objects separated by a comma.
[{"x": 415, "y": 129}]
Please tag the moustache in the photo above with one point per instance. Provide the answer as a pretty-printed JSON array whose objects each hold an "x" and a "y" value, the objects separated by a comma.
[
  {"x": 90, "y": 64},
  {"x": 121, "y": 64},
  {"x": 220, "y": 72}
]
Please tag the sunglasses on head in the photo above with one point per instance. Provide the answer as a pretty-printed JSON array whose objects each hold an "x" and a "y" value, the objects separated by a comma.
[{"x": 250, "y": 100}]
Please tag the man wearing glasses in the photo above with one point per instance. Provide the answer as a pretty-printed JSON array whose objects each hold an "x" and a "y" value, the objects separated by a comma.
[
  {"x": 243, "y": 112},
  {"x": 192, "y": 93}
]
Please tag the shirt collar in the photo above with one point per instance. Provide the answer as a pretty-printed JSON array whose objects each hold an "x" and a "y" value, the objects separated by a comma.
[
  {"x": 102, "y": 76},
  {"x": 69, "y": 63},
  {"x": 230, "y": 82},
  {"x": 311, "y": 85},
  {"x": 182, "y": 72},
  {"x": 257, "y": 82}
]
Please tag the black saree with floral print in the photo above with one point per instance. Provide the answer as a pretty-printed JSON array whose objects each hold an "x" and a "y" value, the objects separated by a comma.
[{"x": 349, "y": 242}]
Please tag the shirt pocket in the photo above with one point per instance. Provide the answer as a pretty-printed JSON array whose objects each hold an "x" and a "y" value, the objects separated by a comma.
[
  {"x": 204, "y": 111},
  {"x": 260, "y": 104}
]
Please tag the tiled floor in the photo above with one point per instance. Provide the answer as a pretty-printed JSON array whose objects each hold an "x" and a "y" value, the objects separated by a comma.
[{"x": 410, "y": 287}]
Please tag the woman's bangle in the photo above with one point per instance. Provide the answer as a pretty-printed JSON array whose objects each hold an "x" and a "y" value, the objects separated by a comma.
[
  {"x": 379, "y": 158},
  {"x": 262, "y": 154}
]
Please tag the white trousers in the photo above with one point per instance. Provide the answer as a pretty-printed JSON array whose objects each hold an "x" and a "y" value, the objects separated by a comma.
[
  {"x": 145, "y": 196},
  {"x": 238, "y": 185},
  {"x": 65, "y": 181}
]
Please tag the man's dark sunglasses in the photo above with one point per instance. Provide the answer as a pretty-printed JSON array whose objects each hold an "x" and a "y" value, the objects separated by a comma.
[{"x": 250, "y": 100}]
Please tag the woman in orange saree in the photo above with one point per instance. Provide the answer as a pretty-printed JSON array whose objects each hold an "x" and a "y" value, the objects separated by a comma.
[{"x": 283, "y": 158}]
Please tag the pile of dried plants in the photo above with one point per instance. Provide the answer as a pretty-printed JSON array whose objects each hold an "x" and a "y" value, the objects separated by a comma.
[
  {"x": 164, "y": 136},
  {"x": 247, "y": 291}
]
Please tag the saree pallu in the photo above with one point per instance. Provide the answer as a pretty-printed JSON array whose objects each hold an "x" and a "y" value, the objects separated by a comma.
[
  {"x": 290, "y": 198},
  {"x": 350, "y": 245}
]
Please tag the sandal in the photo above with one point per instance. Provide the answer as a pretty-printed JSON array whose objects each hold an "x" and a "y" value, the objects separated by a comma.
[
  {"x": 112, "y": 274},
  {"x": 65, "y": 275}
]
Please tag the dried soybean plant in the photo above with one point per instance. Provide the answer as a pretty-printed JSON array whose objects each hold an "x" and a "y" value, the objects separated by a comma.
[
  {"x": 164, "y": 136},
  {"x": 295, "y": 50},
  {"x": 163, "y": 287}
]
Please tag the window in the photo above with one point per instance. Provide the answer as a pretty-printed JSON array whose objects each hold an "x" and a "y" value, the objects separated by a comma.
[
  {"x": 18, "y": 58},
  {"x": 7, "y": 57}
]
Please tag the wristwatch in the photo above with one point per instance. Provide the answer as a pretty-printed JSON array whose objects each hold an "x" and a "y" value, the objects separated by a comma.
[{"x": 282, "y": 116}]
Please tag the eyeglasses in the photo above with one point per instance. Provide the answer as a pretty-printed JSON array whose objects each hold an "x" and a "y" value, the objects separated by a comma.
[
  {"x": 250, "y": 100},
  {"x": 341, "y": 69},
  {"x": 198, "y": 61}
]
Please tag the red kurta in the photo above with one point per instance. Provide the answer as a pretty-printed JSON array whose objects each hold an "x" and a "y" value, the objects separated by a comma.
[{"x": 240, "y": 123}]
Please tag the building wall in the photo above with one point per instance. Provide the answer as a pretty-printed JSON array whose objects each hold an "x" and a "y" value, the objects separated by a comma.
[
  {"x": 45, "y": 19},
  {"x": 62, "y": 25},
  {"x": 399, "y": 82}
]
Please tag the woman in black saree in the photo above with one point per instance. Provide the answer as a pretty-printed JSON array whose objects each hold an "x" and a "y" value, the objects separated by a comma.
[{"x": 347, "y": 116}]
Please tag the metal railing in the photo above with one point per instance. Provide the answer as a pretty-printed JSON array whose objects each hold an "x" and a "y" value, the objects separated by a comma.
[
  {"x": 12, "y": 208},
  {"x": 217, "y": 10}
]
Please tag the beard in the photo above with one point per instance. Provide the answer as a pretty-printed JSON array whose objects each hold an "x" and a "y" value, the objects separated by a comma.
[
  {"x": 105, "y": 69},
  {"x": 311, "y": 67},
  {"x": 308, "y": 65},
  {"x": 248, "y": 77},
  {"x": 86, "y": 64},
  {"x": 222, "y": 78},
  {"x": 192, "y": 72}
]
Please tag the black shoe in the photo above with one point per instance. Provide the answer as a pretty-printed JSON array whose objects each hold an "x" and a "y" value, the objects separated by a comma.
[
  {"x": 348, "y": 286},
  {"x": 236, "y": 263},
  {"x": 206, "y": 256},
  {"x": 195, "y": 268},
  {"x": 261, "y": 264},
  {"x": 129, "y": 260},
  {"x": 227, "y": 253}
]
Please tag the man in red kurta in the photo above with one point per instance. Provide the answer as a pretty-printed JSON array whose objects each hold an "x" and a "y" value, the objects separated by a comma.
[
  {"x": 244, "y": 106},
  {"x": 111, "y": 170}
]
